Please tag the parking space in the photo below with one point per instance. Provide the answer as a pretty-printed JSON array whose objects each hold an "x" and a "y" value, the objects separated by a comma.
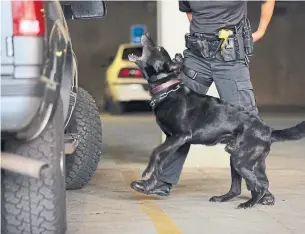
[{"x": 108, "y": 205}]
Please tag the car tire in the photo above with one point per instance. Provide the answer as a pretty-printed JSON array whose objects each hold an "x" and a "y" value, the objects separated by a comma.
[
  {"x": 86, "y": 123},
  {"x": 32, "y": 205}
]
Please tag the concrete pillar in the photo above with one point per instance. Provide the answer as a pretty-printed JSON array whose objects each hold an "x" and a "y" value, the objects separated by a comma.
[{"x": 171, "y": 28}]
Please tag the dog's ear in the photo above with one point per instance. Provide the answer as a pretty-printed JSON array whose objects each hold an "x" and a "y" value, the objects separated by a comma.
[
  {"x": 178, "y": 58},
  {"x": 173, "y": 66}
]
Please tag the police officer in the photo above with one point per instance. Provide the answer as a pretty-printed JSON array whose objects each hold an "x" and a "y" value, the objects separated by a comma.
[{"x": 218, "y": 48}]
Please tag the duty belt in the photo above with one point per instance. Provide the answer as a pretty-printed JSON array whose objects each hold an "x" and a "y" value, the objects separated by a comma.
[{"x": 233, "y": 43}]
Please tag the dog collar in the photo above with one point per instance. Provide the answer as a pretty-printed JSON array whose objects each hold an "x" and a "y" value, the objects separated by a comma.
[
  {"x": 158, "y": 96},
  {"x": 164, "y": 86},
  {"x": 161, "y": 76}
]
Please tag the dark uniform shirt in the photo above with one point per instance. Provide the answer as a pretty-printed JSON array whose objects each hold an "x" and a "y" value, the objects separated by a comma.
[{"x": 211, "y": 16}]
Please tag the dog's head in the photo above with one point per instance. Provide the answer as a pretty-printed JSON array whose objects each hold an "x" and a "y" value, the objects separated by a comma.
[{"x": 155, "y": 60}]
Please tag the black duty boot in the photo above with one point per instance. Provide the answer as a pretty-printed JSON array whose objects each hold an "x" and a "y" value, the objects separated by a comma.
[{"x": 152, "y": 187}]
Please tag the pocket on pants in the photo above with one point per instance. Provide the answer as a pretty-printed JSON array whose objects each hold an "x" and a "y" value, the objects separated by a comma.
[
  {"x": 245, "y": 95},
  {"x": 193, "y": 84}
]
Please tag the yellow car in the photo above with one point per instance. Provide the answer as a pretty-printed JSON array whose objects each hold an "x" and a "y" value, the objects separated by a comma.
[{"x": 124, "y": 81}]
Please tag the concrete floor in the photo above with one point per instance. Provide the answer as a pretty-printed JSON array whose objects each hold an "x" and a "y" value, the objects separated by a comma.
[{"x": 108, "y": 205}]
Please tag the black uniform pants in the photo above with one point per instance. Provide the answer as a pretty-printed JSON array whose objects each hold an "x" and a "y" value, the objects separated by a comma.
[{"x": 232, "y": 80}]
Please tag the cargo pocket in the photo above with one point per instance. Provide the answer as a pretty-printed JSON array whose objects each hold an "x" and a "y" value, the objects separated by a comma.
[
  {"x": 195, "y": 81},
  {"x": 246, "y": 96}
]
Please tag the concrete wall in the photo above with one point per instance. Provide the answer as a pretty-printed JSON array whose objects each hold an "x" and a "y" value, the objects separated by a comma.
[
  {"x": 94, "y": 41},
  {"x": 277, "y": 69}
]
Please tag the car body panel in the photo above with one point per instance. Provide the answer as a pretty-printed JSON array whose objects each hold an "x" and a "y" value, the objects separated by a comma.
[
  {"x": 6, "y": 38},
  {"x": 125, "y": 89},
  {"x": 37, "y": 74},
  {"x": 42, "y": 69}
]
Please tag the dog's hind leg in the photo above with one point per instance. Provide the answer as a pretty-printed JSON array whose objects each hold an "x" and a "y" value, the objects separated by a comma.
[
  {"x": 259, "y": 190},
  {"x": 252, "y": 181},
  {"x": 260, "y": 172},
  {"x": 235, "y": 189}
]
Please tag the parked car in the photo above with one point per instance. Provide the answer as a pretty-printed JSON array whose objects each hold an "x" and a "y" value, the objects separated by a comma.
[
  {"x": 124, "y": 81},
  {"x": 51, "y": 131}
]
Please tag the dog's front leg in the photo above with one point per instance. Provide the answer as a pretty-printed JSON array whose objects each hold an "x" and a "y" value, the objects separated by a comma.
[
  {"x": 151, "y": 165},
  {"x": 157, "y": 159}
]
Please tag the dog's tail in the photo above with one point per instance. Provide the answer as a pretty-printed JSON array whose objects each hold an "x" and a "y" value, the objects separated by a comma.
[{"x": 289, "y": 134}]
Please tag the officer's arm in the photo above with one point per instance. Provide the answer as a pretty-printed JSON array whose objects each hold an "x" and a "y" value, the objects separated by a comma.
[
  {"x": 189, "y": 16},
  {"x": 266, "y": 15},
  {"x": 184, "y": 6}
]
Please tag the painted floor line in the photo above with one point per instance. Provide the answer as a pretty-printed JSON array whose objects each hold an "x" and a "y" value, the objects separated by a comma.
[{"x": 162, "y": 221}]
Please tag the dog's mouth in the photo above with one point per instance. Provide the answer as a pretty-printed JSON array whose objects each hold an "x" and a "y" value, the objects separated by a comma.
[
  {"x": 146, "y": 43},
  {"x": 133, "y": 58}
]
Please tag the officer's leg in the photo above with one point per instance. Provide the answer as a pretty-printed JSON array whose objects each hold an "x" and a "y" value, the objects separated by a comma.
[
  {"x": 172, "y": 170},
  {"x": 232, "y": 80},
  {"x": 197, "y": 77}
]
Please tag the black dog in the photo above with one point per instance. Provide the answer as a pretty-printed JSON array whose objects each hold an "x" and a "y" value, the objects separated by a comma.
[{"x": 187, "y": 117}]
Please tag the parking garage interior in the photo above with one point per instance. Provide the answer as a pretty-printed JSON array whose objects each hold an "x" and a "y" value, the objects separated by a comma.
[{"x": 107, "y": 204}]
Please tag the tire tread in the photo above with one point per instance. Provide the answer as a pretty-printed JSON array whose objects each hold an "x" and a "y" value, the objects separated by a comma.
[
  {"x": 82, "y": 164},
  {"x": 31, "y": 205}
]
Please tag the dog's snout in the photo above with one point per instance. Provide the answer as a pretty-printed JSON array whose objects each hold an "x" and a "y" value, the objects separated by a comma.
[
  {"x": 147, "y": 35},
  {"x": 146, "y": 40}
]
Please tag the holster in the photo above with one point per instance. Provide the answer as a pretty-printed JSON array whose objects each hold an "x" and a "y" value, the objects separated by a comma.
[
  {"x": 247, "y": 37},
  {"x": 240, "y": 48},
  {"x": 198, "y": 46},
  {"x": 229, "y": 51},
  {"x": 234, "y": 48}
]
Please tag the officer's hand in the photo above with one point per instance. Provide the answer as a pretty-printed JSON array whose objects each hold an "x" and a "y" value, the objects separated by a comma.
[{"x": 257, "y": 35}]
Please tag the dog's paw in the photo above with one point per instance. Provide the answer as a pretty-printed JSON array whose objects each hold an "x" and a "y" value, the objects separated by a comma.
[
  {"x": 246, "y": 205},
  {"x": 224, "y": 198},
  {"x": 267, "y": 200},
  {"x": 216, "y": 199},
  {"x": 132, "y": 57}
]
